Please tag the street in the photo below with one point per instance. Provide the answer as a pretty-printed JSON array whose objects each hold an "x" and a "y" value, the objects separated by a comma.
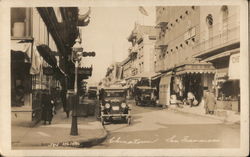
[{"x": 153, "y": 127}]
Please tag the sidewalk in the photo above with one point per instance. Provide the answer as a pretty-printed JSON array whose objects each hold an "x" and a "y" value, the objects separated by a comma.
[
  {"x": 90, "y": 132},
  {"x": 225, "y": 116}
]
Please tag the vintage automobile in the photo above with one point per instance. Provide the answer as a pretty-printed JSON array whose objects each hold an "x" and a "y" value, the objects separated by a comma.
[
  {"x": 113, "y": 105},
  {"x": 145, "y": 96}
]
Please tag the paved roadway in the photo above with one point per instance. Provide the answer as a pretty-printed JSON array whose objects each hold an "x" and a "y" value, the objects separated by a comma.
[{"x": 153, "y": 127}]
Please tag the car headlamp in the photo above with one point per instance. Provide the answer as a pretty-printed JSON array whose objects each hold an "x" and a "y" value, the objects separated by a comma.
[
  {"x": 123, "y": 105},
  {"x": 107, "y": 105}
]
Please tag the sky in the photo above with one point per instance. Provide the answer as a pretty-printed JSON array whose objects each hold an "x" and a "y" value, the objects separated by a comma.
[{"x": 107, "y": 35}]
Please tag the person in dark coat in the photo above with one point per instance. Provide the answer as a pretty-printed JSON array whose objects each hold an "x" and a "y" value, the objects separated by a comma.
[
  {"x": 66, "y": 108},
  {"x": 47, "y": 108},
  {"x": 210, "y": 102}
]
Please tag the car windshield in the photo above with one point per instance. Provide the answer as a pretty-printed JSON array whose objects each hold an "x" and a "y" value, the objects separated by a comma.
[{"x": 114, "y": 93}]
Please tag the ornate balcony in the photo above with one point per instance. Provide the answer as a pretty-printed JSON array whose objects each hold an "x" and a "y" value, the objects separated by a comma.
[{"x": 225, "y": 37}]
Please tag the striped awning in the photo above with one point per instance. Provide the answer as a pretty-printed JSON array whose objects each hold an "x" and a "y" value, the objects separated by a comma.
[{"x": 196, "y": 68}]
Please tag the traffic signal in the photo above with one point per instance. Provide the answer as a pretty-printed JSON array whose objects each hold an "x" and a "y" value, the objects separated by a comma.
[{"x": 90, "y": 54}]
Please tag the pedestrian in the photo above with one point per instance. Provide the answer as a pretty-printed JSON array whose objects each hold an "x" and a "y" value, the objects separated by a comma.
[
  {"x": 47, "y": 108},
  {"x": 66, "y": 108},
  {"x": 190, "y": 99},
  {"x": 210, "y": 102}
]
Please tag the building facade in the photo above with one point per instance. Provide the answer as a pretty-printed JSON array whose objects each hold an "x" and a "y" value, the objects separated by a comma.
[
  {"x": 41, "y": 43},
  {"x": 220, "y": 45},
  {"x": 190, "y": 40},
  {"x": 142, "y": 50},
  {"x": 113, "y": 74}
]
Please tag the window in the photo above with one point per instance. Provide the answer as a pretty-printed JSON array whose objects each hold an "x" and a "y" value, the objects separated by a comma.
[
  {"x": 193, "y": 39},
  {"x": 21, "y": 22},
  {"x": 209, "y": 19}
]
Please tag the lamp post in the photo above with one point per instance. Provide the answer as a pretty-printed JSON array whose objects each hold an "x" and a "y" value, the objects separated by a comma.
[{"x": 76, "y": 51}]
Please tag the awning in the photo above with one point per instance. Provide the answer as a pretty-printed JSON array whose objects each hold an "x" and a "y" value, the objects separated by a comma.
[
  {"x": 47, "y": 55},
  {"x": 22, "y": 46},
  {"x": 158, "y": 75},
  {"x": 148, "y": 75},
  {"x": 224, "y": 54},
  {"x": 195, "y": 68}
]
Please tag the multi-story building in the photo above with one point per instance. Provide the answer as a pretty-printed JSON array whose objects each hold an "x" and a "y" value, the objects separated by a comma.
[
  {"x": 126, "y": 68},
  {"x": 141, "y": 53},
  {"x": 189, "y": 47},
  {"x": 219, "y": 44},
  {"x": 113, "y": 74},
  {"x": 41, "y": 42}
]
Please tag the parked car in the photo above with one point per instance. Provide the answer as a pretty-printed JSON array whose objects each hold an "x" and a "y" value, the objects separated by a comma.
[
  {"x": 114, "y": 105},
  {"x": 145, "y": 96}
]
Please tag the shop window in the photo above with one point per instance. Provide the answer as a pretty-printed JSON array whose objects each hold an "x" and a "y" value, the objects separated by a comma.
[
  {"x": 229, "y": 90},
  {"x": 21, "y": 22}
]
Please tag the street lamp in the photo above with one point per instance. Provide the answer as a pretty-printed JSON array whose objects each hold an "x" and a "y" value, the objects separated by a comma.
[{"x": 76, "y": 53}]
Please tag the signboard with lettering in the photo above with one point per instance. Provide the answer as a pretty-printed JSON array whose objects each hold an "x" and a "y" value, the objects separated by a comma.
[{"x": 234, "y": 67}]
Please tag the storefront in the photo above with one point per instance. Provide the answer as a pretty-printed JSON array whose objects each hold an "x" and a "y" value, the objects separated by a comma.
[
  {"x": 20, "y": 76},
  {"x": 227, "y": 83},
  {"x": 30, "y": 79},
  {"x": 194, "y": 78}
]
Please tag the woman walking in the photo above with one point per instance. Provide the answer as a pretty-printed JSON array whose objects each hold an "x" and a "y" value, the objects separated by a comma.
[{"x": 47, "y": 108}]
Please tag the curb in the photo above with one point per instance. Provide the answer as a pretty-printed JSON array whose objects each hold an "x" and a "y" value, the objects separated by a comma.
[
  {"x": 75, "y": 143},
  {"x": 224, "y": 120}
]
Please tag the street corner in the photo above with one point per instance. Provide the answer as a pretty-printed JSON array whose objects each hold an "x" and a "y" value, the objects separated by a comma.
[
  {"x": 94, "y": 137},
  {"x": 95, "y": 140},
  {"x": 101, "y": 135}
]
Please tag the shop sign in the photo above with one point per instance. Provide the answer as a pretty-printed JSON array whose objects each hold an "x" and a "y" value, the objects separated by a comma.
[
  {"x": 48, "y": 71},
  {"x": 234, "y": 67}
]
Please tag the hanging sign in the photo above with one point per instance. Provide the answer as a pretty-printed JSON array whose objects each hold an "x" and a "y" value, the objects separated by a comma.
[{"x": 234, "y": 67}]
